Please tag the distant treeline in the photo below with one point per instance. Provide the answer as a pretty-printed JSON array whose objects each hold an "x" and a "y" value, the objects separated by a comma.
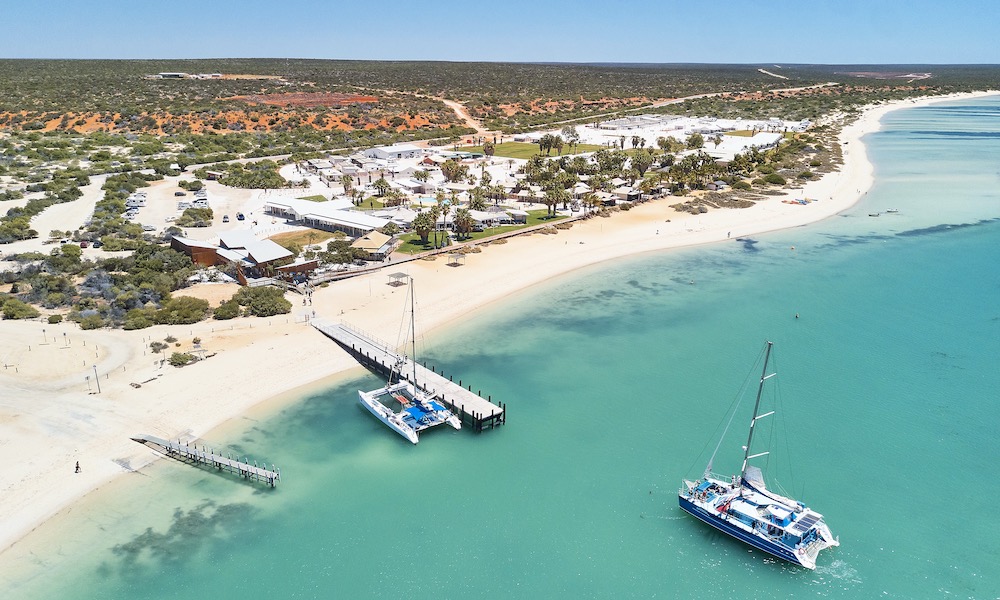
[{"x": 505, "y": 95}]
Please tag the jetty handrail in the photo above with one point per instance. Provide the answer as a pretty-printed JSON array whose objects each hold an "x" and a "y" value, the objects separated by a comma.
[{"x": 370, "y": 338}]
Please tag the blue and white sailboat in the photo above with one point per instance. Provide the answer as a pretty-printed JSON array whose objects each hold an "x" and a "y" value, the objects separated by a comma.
[
  {"x": 742, "y": 506},
  {"x": 418, "y": 409}
]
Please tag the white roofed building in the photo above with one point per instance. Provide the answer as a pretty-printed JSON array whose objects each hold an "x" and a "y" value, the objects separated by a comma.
[
  {"x": 396, "y": 151},
  {"x": 333, "y": 215}
]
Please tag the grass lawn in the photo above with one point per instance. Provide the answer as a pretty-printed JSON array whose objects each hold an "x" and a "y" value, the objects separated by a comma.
[
  {"x": 370, "y": 204},
  {"x": 316, "y": 198},
  {"x": 412, "y": 244},
  {"x": 302, "y": 238},
  {"x": 525, "y": 150}
]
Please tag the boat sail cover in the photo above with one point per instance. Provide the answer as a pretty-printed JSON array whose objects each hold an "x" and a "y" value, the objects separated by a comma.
[{"x": 755, "y": 477}]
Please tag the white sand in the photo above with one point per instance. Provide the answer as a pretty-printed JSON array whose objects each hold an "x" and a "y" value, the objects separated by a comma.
[{"x": 49, "y": 420}]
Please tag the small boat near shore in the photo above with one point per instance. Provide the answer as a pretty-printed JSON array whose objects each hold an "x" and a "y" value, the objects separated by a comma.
[
  {"x": 875, "y": 214},
  {"x": 742, "y": 506},
  {"x": 892, "y": 211},
  {"x": 418, "y": 409}
]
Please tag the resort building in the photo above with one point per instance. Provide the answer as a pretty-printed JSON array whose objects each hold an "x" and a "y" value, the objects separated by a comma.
[
  {"x": 396, "y": 151},
  {"x": 333, "y": 215},
  {"x": 376, "y": 245}
]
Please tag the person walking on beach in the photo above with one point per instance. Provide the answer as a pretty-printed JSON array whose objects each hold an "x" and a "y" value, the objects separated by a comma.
[{"x": 78, "y": 469}]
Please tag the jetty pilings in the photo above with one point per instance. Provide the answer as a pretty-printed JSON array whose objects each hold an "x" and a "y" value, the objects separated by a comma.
[{"x": 184, "y": 452}]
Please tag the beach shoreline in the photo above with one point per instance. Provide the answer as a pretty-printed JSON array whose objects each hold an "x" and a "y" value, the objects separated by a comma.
[{"x": 55, "y": 417}]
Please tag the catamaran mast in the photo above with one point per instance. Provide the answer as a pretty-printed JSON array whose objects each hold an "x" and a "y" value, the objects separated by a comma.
[
  {"x": 413, "y": 336},
  {"x": 763, "y": 376}
]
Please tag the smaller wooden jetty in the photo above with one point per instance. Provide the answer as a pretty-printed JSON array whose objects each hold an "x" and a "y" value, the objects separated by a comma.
[
  {"x": 187, "y": 453},
  {"x": 474, "y": 410}
]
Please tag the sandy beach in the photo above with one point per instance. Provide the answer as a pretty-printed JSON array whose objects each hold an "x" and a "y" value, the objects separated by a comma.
[{"x": 52, "y": 415}]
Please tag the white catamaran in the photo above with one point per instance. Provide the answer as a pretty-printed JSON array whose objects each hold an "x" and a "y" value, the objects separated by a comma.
[
  {"x": 744, "y": 508},
  {"x": 419, "y": 410}
]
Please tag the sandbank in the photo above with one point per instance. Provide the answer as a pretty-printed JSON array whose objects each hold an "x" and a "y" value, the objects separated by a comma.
[{"x": 52, "y": 417}]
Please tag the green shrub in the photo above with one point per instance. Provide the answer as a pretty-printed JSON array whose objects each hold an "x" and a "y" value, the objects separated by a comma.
[
  {"x": 15, "y": 309},
  {"x": 138, "y": 318},
  {"x": 195, "y": 217},
  {"x": 805, "y": 175},
  {"x": 91, "y": 322},
  {"x": 263, "y": 301},
  {"x": 158, "y": 347},
  {"x": 179, "y": 359},
  {"x": 227, "y": 310},
  {"x": 775, "y": 179},
  {"x": 741, "y": 185},
  {"x": 182, "y": 310},
  {"x": 53, "y": 319}
]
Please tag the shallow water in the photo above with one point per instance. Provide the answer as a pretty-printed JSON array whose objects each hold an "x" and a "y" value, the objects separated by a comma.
[{"x": 616, "y": 380}]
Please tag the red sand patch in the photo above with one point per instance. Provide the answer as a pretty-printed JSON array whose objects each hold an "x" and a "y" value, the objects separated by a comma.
[{"x": 307, "y": 99}]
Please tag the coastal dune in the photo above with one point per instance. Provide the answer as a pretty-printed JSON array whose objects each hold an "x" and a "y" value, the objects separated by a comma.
[{"x": 52, "y": 416}]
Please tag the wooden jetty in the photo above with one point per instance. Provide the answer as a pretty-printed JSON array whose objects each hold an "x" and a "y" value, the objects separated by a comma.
[
  {"x": 474, "y": 410},
  {"x": 192, "y": 455}
]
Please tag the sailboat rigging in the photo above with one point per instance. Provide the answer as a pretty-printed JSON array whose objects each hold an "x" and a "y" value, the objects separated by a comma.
[{"x": 745, "y": 509}]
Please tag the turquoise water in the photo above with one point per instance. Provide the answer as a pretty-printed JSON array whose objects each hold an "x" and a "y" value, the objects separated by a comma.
[{"x": 616, "y": 381}]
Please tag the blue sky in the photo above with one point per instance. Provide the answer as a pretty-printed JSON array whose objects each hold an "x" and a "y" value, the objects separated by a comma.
[{"x": 742, "y": 31}]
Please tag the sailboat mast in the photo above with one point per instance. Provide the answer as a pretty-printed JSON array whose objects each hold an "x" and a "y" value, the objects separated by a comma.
[
  {"x": 413, "y": 335},
  {"x": 756, "y": 407}
]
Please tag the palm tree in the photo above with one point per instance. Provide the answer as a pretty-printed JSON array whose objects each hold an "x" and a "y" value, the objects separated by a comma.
[
  {"x": 454, "y": 170},
  {"x": 348, "y": 182},
  {"x": 435, "y": 213},
  {"x": 557, "y": 143},
  {"x": 381, "y": 186},
  {"x": 464, "y": 221},
  {"x": 545, "y": 144},
  {"x": 423, "y": 223},
  {"x": 642, "y": 159},
  {"x": 553, "y": 196},
  {"x": 445, "y": 208},
  {"x": 477, "y": 202}
]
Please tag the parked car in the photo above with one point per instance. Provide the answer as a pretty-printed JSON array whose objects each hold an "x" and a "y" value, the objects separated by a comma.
[
  {"x": 149, "y": 227},
  {"x": 84, "y": 244},
  {"x": 239, "y": 216},
  {"x": 225, "y": 218},
  {"x": 179, "y": 193},
  {"x": 98, "y": 243}
]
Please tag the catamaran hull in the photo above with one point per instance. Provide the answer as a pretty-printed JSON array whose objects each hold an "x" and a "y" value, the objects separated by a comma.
[
  {"x": 386, "y": 416},
  {"x": 728, "y": 528}
]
